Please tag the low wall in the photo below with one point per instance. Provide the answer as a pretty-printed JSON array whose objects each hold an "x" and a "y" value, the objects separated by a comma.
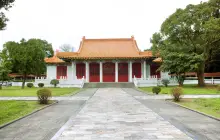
[
  {"x": 157, "y": 82},
  {"x": 19, "y": 84},
  {"x": 62, "y": 83}
]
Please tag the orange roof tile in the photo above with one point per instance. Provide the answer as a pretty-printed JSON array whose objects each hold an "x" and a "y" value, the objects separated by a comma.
[
  {"x": 158, "y": 60},
  {"x": 147, "y": 53},
  {"x": 66, "y": 54},
  {"x": 106, "y": 48},
  {"x": 53, "y": 59}
]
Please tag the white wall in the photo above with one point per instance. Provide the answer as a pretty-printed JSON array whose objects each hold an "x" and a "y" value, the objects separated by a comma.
[
  {"x": 147, "y": 70},
  {"x": 164, "y": 75},
  {"x": 51, "y": 72},
  {"x": 69, "y": 72}
]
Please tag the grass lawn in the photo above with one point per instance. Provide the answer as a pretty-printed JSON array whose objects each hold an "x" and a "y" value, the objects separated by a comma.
[
  {"x": 11, "y": 110},
  {"x": 17, "y": 91},
  {"x": 187, "y": 89},
  {"x": 207, "y": 106}
]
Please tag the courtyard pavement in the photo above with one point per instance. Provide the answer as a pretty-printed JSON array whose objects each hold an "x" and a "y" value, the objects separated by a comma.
[
  {"x": 137, "y": 96},
  {"x": 44, "y": 124},
  {"x": 197, "y": 126},
  {"x": 112, "y": 114}
]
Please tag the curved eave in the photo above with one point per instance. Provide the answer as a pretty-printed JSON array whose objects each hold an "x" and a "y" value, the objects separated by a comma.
[
  {"x": 55, "y": 62},
  {"x": 158, "y": 60},
  {"x": 91, "y": 58}
]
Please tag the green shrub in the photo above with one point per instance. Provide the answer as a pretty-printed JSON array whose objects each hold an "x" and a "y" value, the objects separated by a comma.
[
  {"x": 40, "y": 84},
  {"x": 156, "y": 90},
  {"x": 165, "y": 82},
  {"x": 54, "y": 82},
  {"x": 0, "y": 86},
  {"x": 30, "y": 85},
  {"x": 177, "y": 92},
  {"x": 44, "y": 95},
  {"x": 218, "y": 88}
]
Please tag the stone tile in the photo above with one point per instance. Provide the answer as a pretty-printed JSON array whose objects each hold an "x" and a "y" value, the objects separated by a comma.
[
  {"x": 43, "y": 124},
  {"x": 113, "y": 114}
]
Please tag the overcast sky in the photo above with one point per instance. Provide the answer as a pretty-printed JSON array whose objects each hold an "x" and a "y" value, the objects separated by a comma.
[{"x": 66, "y": 21}]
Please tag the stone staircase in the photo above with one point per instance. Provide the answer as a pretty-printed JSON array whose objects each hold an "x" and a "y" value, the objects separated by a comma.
[{"x": 108, "y": 85}]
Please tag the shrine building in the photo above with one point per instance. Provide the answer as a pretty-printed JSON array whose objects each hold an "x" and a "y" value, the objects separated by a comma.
[{"x": 104, "y": 60}]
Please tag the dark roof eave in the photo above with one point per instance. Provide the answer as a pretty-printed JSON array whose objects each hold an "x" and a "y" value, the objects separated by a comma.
[{"x": 93, "y": 58}]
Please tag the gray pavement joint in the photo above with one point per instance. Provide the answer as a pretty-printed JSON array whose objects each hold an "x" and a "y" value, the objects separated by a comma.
[{"x": 113, "y": 114}]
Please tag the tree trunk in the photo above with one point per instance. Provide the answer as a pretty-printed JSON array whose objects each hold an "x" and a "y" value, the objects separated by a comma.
[
  {"x": 180, "y": 79},
  {"x": 200, "y": 75},
  {"x": 180, "y": 84},
  {"x": 23, "y": 82}
]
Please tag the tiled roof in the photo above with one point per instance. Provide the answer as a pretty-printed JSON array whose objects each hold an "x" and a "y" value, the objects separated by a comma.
[
  {"x": 107, "y": 49},
  {"x": 146, "y": 53},
  {"x": 67, "y": 54},
  {"x": 158, "y": 60},
  {"x": 53, "y": 59}
]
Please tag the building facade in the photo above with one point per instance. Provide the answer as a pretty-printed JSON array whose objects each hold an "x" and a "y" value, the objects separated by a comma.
[{"x": 104, "y": 60}]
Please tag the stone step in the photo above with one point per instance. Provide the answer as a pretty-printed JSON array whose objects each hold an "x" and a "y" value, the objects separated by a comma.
[{"x": 108, "y": 85}]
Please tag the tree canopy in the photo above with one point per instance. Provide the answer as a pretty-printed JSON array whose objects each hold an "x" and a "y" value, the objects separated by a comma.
[
  {"x": 5, "y": 67},
  {"x": 27, "y": 57},
  {"x": 189, "y": 38},
  {"x": 4, "y": 4}
]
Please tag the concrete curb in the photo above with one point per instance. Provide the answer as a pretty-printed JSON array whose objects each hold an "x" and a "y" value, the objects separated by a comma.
[
  {"x": 80, "y": 90},
  {"x": 151, "y": 93},
  {"x": 13, "y": 121},
  {"x": 212, "y": 117}
]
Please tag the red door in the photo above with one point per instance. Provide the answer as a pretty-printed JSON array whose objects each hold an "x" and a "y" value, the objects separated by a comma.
[
  {"x": 123, "y": 72},
  {"x": 61, "y": 71},
  {"x": 94, "y": 72},
  {"x": 80, "y": 70},
  {"x": 136, "y": 70},
  {"x": 153, "y": 70},
  {"x": 109, "y": 72}
]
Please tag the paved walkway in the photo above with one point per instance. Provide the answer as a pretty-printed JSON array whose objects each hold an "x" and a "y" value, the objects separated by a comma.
[
  {"x": 112, "y": 114},
  {"x": 135, "y": 95},
  {"x": 198, "y": 126},
  {"x": 146, "y": 97},
  {"x": 44, "y": 124}
]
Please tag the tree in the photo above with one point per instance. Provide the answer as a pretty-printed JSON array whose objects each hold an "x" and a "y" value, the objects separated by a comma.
[
  {"x": 189, "y": 38},
  {"x": 66, "y": 48},
  {"x": 27, "y": 57},
  {"x": 48, "y": 49},
  {"x": 5, "y": 68},
  {"x": 4, "y": 4},
  {"x": 175, "y": 60}
]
